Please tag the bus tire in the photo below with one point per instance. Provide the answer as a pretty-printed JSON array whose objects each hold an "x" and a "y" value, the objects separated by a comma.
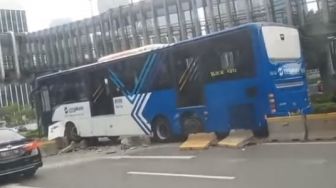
[
  {"x": 161, "y": 130},
  {"x": 191, "y": 125},
  {"x": 71, "y": 133}
]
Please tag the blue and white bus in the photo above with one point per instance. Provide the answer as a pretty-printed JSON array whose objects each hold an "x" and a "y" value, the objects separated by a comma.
[{"x": 233, "y": 79}]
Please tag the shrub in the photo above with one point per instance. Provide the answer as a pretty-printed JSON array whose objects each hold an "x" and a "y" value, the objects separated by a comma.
[
  {"x": 17, "y": 115},
  {"x": 327, "y": 107}
]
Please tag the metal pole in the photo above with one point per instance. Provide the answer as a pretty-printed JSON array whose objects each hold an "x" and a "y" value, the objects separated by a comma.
[
  {"x": 112, "y": 30},
  {"x": 2, "y": 68},
  {"x": 289, "y": 12},
  {"x": 16, "y": 57},
  {"x": 27, "y": 94},
  {"x": 16, "y": 95},
  {"x": 213, "y": 26},
  {"x": 133, "y": 27},
  {"x": 269, "y": 15},
  {"x": 169, "y": 29},
  {"x": 22, "y": 98},
  {"x": 229, "y": 13},
  {"x": 181, "y": 19},
  {"x": 6, "y": 95},
  {"x": 11, "y": 93},
  {"x": 325, "y": 11},
  {"x": 155, "y": 24},
  {"x": 144, "y": 25},
  {"x": 248, "y": 10},
  {"x": 1, "y": 98},
  {"x": 195, "y": 18}
]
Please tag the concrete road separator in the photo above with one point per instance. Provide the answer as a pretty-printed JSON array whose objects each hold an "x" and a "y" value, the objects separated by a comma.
[
  {"x": 237, "y": 139},
  {"x": 321, "y": 126},
  {"x": 199, "y": 141},
  {"x": 183, "y": 175},
  {"x": 288, "y": 128}
]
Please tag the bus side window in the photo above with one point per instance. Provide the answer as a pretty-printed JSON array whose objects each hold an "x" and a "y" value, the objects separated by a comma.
[
  {"x": 189, "y": 81},
  {"x": 128, "y": 71},
  {"x": 230, "y": 58},
  {"x": 45, "y": 100},
  {"x": 161, "y": 76}
]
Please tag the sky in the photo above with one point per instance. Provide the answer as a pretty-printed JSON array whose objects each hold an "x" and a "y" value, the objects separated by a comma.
[{"x": 40, "y": 13}]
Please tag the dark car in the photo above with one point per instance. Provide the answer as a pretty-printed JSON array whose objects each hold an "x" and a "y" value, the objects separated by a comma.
[{"x": 18, "y": 155}]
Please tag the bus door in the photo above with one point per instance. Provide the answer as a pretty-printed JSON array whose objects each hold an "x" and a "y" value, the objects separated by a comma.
[
  {"x": 190, "y": 91},
  {"x": 101, "y": 99},
  {"x": 45, "y": 110}
]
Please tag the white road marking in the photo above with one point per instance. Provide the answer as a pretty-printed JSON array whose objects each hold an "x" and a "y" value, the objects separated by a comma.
[
  {"x": 16, "y": 186},
  {"x": 313, "y": 161},
  {"x": 235, "y": 160},
  {"x": 183, "y": 175},
  {"x": 301, "y": 143},
  {"x": 151, "y": 157},
  {"x": 70, "y": 163}
]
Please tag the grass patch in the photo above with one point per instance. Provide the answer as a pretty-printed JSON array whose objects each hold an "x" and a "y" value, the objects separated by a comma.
[
  {"x": 31, "y": 134},
  {"x": 322, "y": 98},
  {"x": 326, "y": 107}
]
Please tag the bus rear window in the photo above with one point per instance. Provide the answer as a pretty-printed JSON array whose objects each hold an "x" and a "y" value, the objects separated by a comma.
[{"x": 282, "y": 43}]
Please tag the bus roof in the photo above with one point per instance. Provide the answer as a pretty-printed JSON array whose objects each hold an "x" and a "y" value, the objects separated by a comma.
[
  {"x": 131, "y": 52},
  {"x": 152, "y": 47},
  {"x": 111, "y": 57}
]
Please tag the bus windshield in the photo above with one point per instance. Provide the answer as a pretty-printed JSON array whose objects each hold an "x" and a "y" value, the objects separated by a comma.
[{"x": 282, "y": 43}]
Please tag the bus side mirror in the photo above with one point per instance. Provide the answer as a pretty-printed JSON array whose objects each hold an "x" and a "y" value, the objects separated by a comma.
[{"x": 251, "y": 91}]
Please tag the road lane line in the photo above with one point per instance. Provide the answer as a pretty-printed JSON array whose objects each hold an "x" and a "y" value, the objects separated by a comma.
[
  {"x": 69, "y": 162},
  {"x": 182, "y": 175},
  {"x": 300, "y": 143},
  {"x": 151, "y": 157}
]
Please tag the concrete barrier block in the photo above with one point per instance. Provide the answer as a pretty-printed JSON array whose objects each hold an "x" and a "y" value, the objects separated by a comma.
[
  {"x": 199, "y": 141},
  {"x": 286, "y": 128},
  {"x": 237, "y": 139},
  {"x": 321, "y": 126}
]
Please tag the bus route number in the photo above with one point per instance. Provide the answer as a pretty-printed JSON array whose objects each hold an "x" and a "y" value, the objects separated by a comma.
[{"x": 222, "y": 72}]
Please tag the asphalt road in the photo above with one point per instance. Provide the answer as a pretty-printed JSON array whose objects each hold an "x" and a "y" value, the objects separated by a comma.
[{"x": 268, "y": 165}]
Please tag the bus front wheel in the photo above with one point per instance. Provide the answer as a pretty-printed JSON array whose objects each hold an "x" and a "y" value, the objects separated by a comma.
[
  {"x": 161, "y": 130},
  {"x": 71, "y": 133}
]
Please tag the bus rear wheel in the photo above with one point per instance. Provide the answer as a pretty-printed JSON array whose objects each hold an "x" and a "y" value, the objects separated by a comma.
[
  {"x": 71, "y": 133},
  {"x": 161, "y": 130},
  {"x": 192, "y": 125}
]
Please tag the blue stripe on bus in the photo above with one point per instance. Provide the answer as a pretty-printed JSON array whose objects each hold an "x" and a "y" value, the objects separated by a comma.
[
  {"x": 151, "y": 63},
  {"x": 142, "y": 74}
]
